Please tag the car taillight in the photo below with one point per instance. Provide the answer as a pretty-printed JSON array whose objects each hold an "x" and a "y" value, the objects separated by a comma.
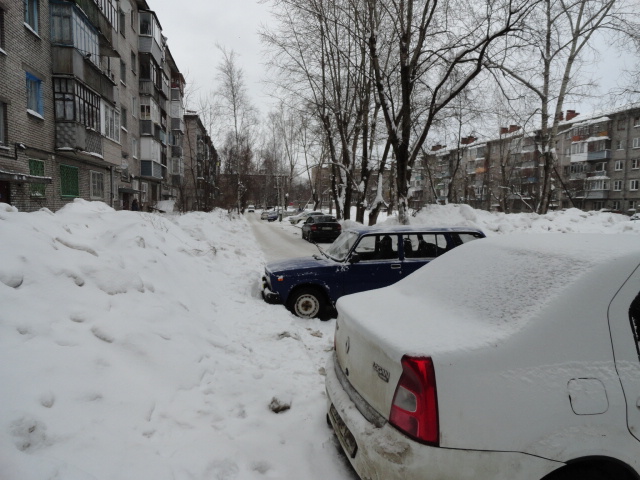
[
  {"x": 313, "y": 227},
  {"x": 339, "y": 227},
  {"x": 415, "y": 403}
]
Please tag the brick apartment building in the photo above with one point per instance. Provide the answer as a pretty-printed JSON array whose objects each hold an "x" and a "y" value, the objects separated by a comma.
[
  {"x": 91, "y": 105},
  {"x": 598, "y": 167}
]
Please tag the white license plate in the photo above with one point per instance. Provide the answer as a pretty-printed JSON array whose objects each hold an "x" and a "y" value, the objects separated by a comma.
[
  {"x": 327, "y": 228},
  {"x": 346, "y": 438}
]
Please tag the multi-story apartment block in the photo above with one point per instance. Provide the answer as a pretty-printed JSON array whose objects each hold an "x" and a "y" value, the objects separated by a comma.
[
  {"x": 598, "y": 166},
  {"x": 200, "y": 166},
  {"x": 91, "y": 104}
]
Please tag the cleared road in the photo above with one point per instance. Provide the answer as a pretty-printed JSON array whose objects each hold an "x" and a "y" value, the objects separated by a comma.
[{"x": 280, "y": 240}]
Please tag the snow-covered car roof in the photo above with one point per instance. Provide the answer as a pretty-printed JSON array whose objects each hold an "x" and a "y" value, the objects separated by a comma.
[{"x": 483, "y": 292}]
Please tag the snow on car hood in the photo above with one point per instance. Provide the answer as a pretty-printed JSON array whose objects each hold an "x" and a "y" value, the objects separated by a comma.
[
  {"x": 485, "y": 291},
  {"x": 289, "y": 264}
]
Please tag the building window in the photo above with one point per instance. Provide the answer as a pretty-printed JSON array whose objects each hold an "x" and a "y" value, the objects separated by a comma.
[
  {"x": 598, "y": 185},
  {"x": 144, "y": 186},
  {"x": 111, "y": 122},
  {"x": 3, "y": 125},
  {"x": 34, "y": 94},
  {"x": 69, "y": 185},
  {"x": 134, "y": 107},
  {"x": 636, "y": 122},
  {"x": 617, "y": 205},
  {"x": 134, "y": 63},
  {"x": 598, "y": 205},
  {"x": 97, "y": 185},
  {"x": 622, "y": 124},
  {"x": 636, "y": 142},
  {"x": 31, "y": 14},
  {"x": 634, "y": 164},
  {"x": 70, "y": 27},
  {"x": 36, "y": 168},
  {"x": 633, "y": 184},
  {"x": 134, "y": 147},
  {"x": 123, "y": 117},
  {"x": 2, "y": 29},
  {"x": 123, "y": 21},
  {"x": 619, "y": 165},
  {"x": 619, "y": 145},
  {"x": 123, "y": 71},
  {"x": 617, "y": 185},
  {"x": 75, "y": 102},
  {"x": 632, "y": 205}
]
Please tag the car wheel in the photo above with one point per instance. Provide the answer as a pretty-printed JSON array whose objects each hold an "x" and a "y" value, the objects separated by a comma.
[
  {"x": 307, "y": 303},
  {"x": 578, "y": 473}
]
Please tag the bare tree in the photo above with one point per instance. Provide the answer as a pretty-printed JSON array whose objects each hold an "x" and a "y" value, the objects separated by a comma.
[
  {"x": 547, "y": 61},
  {"x": 440, "y": 49},
  {"x": 232, "y": 105}
]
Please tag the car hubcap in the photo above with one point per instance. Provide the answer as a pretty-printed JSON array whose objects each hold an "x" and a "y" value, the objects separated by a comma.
[{"x": 307, "y": 306}]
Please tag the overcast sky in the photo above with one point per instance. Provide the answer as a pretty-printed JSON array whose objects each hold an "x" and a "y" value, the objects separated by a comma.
[{"x": 194, "y": 27}]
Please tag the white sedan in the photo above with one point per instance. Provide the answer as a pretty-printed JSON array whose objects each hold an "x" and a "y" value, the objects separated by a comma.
[
  {"x": 517, "y": 357},
  {"x": 302, "y": 216}
]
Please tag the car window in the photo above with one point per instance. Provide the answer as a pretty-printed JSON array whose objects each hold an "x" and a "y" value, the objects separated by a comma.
[
  {"x": 461, "y": 238},
  {"x": 377, "y": 247},
  {"x": 342, "y": 245},
  {"x": 424, "y": 245}
]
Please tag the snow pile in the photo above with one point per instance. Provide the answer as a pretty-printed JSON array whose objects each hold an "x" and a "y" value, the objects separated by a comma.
[
  {"x": 135, "y": 346},
  {"x": 132, "y": 346},
  {"x": 495, "y": 223}
]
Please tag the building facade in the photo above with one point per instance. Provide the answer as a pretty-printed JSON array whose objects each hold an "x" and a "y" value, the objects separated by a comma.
[
  {"x": 597, "y": 167},
  {"x": 91, "y": 105}
]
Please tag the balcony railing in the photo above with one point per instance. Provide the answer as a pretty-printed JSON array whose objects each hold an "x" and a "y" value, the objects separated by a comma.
[
  {"x": 151, "y": 169},
  {"x": 601, "y": 155}
]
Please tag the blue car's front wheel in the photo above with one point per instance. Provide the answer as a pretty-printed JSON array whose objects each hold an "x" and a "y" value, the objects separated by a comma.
[{"x": 307, "y": 303}]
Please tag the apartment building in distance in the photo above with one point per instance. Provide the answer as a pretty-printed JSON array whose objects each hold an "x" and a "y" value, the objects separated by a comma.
[
  {"x": 597, "y": 167},
  {"x": 91, "y": 105}
]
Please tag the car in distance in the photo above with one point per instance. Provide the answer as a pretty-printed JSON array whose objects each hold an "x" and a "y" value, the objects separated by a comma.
[
  {"x": 272, "y": 216},
  {"x": 517, "y": 357},
  {"x": 302, "y": 216},
  {"x": 321, "y": 227},
  {"x": 361, "y": 258},
  {"x": 264, "y": 215},
  {"x": 251, "y": 208}
]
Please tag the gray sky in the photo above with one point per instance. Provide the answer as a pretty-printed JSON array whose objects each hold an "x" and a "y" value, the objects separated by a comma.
[{"x": 194, "y": 27}]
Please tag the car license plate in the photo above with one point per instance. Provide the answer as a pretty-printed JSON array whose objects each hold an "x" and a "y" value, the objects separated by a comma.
[
  {"x": 327, "y": 228},
  {"x": 347, "y": 440}
]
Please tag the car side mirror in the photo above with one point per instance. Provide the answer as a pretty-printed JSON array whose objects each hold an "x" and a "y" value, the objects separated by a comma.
[{"x": 354, "y": 258}]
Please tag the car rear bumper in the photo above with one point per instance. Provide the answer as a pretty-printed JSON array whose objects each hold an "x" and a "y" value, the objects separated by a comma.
[{"x": 383, "y": 453}]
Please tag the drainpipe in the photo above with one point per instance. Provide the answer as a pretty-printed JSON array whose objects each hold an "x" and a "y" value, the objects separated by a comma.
[{"x": 112, "y": 186}]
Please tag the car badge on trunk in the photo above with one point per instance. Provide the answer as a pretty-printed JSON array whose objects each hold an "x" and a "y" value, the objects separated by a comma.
[{"x": 382, "y": 372}]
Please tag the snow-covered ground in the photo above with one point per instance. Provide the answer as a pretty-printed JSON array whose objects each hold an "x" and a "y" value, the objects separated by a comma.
[{"x": 136, "y": 346}]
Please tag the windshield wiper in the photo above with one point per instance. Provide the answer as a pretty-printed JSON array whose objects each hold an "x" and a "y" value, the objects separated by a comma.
[{"x": 321, "y": 251}]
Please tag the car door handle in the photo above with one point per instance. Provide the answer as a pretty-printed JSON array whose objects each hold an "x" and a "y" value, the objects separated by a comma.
[{"x": 395, "y": 266}]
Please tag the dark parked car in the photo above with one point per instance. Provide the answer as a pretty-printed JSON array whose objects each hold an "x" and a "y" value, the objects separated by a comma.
[
  {"x": 272, "y": 216},
  {"x": 321, "y": 227},
  {"x": 359, "y": 259}
]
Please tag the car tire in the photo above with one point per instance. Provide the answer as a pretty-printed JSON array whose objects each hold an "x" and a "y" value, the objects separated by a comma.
[
  {"x": 579, "y": 473},
  {"x": 308, "y": 303}
]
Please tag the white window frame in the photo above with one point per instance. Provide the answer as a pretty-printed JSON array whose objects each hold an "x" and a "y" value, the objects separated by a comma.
[
  {"x": 620, "y": 144},
  {"x": 134, "y": 147},
  {"x": 636, "y": 142},
  {"x": 619, "y": 165},
  {"x": 617, "y": 205},
  {"x": 635, "y": 164},
  {"x": 633, "y": 185},
  {"x": 110, "y": 122},
  {"x": 96, "y": 188},
  {"x": 144, "y": 187},
  {"x": 617, "y": 185}
]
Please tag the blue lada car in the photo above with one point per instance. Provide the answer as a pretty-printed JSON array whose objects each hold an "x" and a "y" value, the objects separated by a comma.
[{"x": 359, "y": 259}]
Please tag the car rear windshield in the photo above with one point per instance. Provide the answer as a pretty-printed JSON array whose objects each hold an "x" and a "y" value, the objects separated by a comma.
[{"x": 324, "y": 219}]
